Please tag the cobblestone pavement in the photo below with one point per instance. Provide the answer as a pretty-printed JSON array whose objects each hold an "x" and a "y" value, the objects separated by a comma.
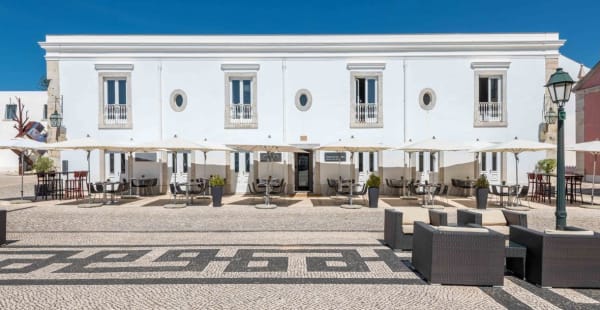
[{"x": 133, "y": 257}]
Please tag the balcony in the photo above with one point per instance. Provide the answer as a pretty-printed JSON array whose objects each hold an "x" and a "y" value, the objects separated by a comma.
[
  {"x": 116, "y": 116},
  {"x": 241, "y": 116},
  {"x": 366, "y": 115},
  {"x": 490, "y": 112}
]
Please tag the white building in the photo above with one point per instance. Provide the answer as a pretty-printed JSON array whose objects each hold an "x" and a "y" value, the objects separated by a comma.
[
  {"x": 305, "y": 90},
  {"x": 35, "y": 103}
]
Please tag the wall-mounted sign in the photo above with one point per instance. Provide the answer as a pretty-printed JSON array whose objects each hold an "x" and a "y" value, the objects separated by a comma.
[
  {"x": 335, "y": 156},
  {"x": 275, "y": 157}
]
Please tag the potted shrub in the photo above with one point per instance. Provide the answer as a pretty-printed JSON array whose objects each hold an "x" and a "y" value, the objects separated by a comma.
[
  {"x": 547, "y": 165},
  {"x": 481, "y": 191},
  {"x": 373, "y": 184},
  {"x": 216, "y": 189},
  {"x": 43, "y": 164}
]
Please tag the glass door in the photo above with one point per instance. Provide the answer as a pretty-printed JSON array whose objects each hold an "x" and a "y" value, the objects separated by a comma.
[{"x": 303, "y": 170}]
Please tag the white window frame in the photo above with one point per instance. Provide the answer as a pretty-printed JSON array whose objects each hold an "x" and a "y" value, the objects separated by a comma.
[
  {"x": 500, "y": 111},
  {"x": 242, "y": 118},
  {"x": 123, "y": 120},
  {"x": 371, "y": 115},
  {"x": 6, "y": 111}
]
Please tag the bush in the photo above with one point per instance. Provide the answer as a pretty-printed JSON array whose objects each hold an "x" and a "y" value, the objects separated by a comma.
[
  {"x": 373, "y": 181},
  {"x": 482, "y": 182},
  {"x": 216, "y": 180},
  {"x": 547, "y": 165},
  {"x": 43, "y": 164}
]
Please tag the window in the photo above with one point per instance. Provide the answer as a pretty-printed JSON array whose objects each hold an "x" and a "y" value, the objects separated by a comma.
[
  {"x": 178, "y": 100},
  {"x": 483, "y": 157},
  {"x": 173, "y": 162},
  {"x": 432, "y": 161},
  {"x": 427, "y": 99},
  {"x": 303, "y": 100},
  {"x": 45, "y": 111},
  {"x": 185, "y": 162},
  {"x": 247, "y": 162},
  {"x": 241, "y": 101},
  {"x": 490, "y": 99},
  {"x": 360, "y": 162},
  {"x": 111, "y": 163},
  {"x": 10, "y": 112},
  {"x": 236, "y": 162},
  {"x": 115, "y": 100},
  {"x": 421, "y": 162},
  {"x": 371, "y": 161},
  {"x": 123, "y": 164},
  {"x": 494, "y": 161},
  {"x": 366, "y": 100}
]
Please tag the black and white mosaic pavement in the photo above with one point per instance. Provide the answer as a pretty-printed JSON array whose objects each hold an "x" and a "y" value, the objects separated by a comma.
[{"x": 326, "y": 264}]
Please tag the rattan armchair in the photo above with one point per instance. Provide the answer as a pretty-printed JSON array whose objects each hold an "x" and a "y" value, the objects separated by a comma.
[
  {"x": 399, "y": 225},
  {"x": 458, "y": 255},
  {"x": 560, "y": 259},
  {"x": 497, "y": 220}
]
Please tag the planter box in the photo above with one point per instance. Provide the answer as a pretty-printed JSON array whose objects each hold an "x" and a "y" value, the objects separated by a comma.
[{"x": 373, "y": 197}]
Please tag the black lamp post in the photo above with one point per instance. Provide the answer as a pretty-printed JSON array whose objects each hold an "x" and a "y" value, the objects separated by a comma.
[{"x": 559, "y": 86}]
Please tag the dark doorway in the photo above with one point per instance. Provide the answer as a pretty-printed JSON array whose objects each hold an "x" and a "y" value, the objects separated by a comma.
[{"x": 303, "y": 171}]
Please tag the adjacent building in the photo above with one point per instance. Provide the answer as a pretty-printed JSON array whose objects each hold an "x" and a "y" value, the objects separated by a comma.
[
  {"x": 304, "y": 90},
  {"x": 587, "y": 91}
]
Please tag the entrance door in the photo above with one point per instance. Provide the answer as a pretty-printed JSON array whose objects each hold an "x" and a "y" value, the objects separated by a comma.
[
  {"x": 427, "y": 166},
  {"x": 179, "y": 165},
  {"x": 242, "y": 163},
  {"x": 303, "y": 168},
  {"x": 489, "y": 164},
  {"x": 116, "y": 166}
]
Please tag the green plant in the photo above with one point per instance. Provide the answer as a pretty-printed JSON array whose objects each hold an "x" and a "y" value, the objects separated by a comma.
[
  {"x": 373, "y": 181},
  {"x": 482, "y": 182},
  {"x": 43, "y": 164},
  {"x": 547, "y": 165},
  {"x": 216, "y": 180}
]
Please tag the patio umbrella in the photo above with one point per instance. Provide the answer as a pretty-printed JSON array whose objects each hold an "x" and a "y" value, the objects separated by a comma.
[
  {"x": 209, "y": 147},
  {"x": 130, "y": 147},
  {"x": 269, "y": 148},
  {"x": 84, "y": 144},
  {"x": 516, "y": 147},
  {"x": 433, "y": 145},
  {"x": 353, "y": 145},
  {"x": 22, "y": 145},
  {"x": 473, "y": 147},
  {"x": 592, "y": 147}
]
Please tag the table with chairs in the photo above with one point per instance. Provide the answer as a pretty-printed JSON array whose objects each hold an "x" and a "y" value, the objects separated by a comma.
[{"x": 542, "y": 188}]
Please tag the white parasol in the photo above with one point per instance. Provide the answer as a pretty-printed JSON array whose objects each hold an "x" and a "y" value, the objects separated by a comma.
[{"x": 22, "y": 144}]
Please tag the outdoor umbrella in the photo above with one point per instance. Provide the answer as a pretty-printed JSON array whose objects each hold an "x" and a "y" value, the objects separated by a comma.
[
  {"x": 131, "y": 146},
  {"x": 84, "y": 144},
  {"x": 592, "y": 147},
  {"x": 516, "y": 147},
  {"x": 473, "y": 148},
  {"x": 174, "y": 145},
  {"x": 353, "y": 145},
  {"x": 209, "y": 147},
  {"x": 433, "y": 145},
  {"x": 22, "y": 145},
  {"x": 269, "y": 148}
]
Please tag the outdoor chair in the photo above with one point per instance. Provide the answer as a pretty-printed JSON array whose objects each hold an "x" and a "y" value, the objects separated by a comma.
[
  {"x": 567, "y": 258},
  {"x": 278, "y": 187},
  {"x": 113, "y": 191},
  {"x": 458, "y": 255},
  {"x": 175, "y": 190},
  {"x": 397, "y": 184},
  {"x": 399, "y": 224},
  {"x": 96, "y": 189},
  {"x": 2, "y": 226},
  {"x": 496, "y": 220},
  {"x": 494, "y": 191},
  {"x": 332, "y": 186},
  {"x": 522, "y": 195}
]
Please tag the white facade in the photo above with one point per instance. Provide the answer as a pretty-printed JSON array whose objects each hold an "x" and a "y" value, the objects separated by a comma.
[
  {"x": 34, "y": 102},
  {"x": 330, "y": 68}
]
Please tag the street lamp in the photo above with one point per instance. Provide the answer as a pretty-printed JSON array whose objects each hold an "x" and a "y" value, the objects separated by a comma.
[
  {"x": 559, "y": 87},
  {"x": 56, "y": 119}
]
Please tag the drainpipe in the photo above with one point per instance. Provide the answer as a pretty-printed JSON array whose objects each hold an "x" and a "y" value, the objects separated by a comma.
[
  {"x": 404, "y": 106},
  {"x": 160, "y": 109},
  {"x": 283, "y": 68}
]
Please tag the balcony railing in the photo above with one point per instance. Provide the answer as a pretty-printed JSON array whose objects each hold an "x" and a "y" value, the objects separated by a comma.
[
  {"x": 241, "y": 116},
  {"x": 115, "y": 114},
  {"x": 366, "y": 113},
  {"x": 490, "y": 112}
]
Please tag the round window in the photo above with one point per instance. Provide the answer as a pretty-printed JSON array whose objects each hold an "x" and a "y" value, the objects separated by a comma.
[
  {"x": 178, "y": 100},
  {"x": 303, "y": 100},
  {"x": 427, "y": 99}
]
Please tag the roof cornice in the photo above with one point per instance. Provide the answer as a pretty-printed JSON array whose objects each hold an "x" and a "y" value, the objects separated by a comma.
[{"x": 65, "y": 46}]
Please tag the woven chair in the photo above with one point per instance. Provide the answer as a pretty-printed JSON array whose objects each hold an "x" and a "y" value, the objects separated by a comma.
[
  {"x": 560, "y": 258},
  {"x": 497, "y": 220},
  {"x": 398, "y": 225},
  {"x": 458, "y": 255}
]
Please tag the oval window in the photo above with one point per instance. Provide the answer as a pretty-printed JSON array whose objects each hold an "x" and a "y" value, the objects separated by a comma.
[
  {"x": 303, "y": 100},
  {"x": 427, "y": 99},
  {"x": 178, "y": 100}
]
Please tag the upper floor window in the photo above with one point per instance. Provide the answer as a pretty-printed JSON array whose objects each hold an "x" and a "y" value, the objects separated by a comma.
[
  {"x": 366, "y": 99},
  {"x": 10, "y": 112},
  {"x": 490, "y": 94},
  {"x": 241, "y": 109},
  {"x": 115, "y": 100}
]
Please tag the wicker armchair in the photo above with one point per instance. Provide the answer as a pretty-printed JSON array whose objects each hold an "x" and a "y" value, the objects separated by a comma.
[
  {"x": 497, "y": 220},
  {"x": 2, "y": 226},
  {"x": 458, "y": 255},
  {"x": 399, "y": 225},
  {"x": 562, "y": 258}
]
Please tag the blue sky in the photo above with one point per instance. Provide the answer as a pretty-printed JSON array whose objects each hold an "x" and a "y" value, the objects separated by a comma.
[{"x": 23, "y": 23}]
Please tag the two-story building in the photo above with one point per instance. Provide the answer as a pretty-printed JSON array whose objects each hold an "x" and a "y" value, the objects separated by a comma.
[{"x": 304, "y": 90}]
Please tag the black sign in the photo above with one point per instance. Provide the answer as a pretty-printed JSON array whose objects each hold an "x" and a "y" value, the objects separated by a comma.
[
  {"x": 275, "y": 157},
  {"x": 335, "y": 156}
]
